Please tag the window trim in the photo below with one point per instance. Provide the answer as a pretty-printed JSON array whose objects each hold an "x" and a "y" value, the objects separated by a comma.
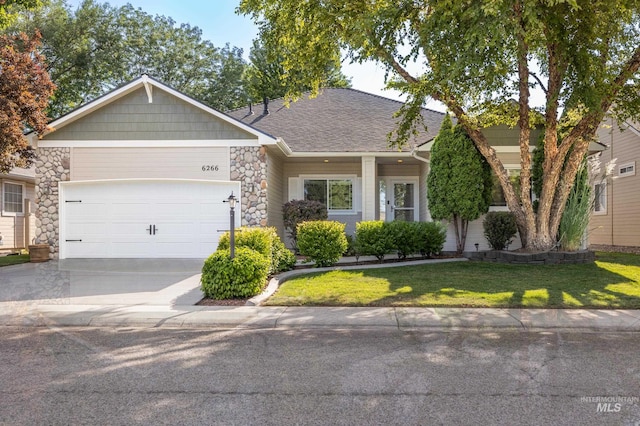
[
  {"x": 627, "y": 173},
  {"x": 603, "y": 210},
  {"x": 350, "y": 178},
  {"x": 24, "y": 188}
]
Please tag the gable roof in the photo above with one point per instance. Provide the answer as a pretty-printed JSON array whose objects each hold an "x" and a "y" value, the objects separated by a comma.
[
  {"x": 149, "y": 84},
  {"x": 337, "y": 120}
]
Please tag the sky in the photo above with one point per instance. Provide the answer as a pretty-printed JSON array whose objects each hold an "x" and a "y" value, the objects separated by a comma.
[{"x": 220, "y": 25}]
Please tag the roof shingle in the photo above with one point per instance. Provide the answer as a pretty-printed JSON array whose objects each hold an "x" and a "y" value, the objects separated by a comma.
[{"x": 337, "y": 120}]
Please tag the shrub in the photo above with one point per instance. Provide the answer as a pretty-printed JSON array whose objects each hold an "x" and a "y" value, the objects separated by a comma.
[
  {"x": 406, "y": 239},
  {"x": 297, "y": 211},
  {"x": 242, "y": 276},
  {"x": 266, "y": 242},
  {"x": 373, "y": 239},
  {"x": 283, "y": 258},
  {"x": 432, "y": 236},
  {"x": 499, "y": 229},
  {"x": 351, "y": 247},
  {"x": 322, "y": 241}
]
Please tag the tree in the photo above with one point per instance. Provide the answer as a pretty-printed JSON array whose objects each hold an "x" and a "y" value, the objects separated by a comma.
[
  {"x": 99, "y": 47},
  {"x": 476, "y": 56},
  {"x": 266, "y": 77},
  {"x": 25, "y": 88},
  {"x": 459, "y": 182},
  {"x": 9, "y": 9}
]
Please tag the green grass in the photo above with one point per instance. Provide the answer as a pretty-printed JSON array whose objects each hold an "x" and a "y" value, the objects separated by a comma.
[
  {"x": 14, "y": 260},
  {"x": 613, "y": 281}
]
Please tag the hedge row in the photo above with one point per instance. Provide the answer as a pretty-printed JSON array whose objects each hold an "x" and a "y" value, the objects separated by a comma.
[{"x": 378, "y": 238}]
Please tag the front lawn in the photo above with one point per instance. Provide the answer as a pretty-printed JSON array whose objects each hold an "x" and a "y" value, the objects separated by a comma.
[
  {"x": 13, "y": 259},
  {"x": 613, "y": 281}
]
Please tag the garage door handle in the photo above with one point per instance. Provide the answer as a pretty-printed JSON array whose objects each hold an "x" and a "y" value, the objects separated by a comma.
[
  {"x": 150, "y": 230},
  {"x": 155, "y": 229}
]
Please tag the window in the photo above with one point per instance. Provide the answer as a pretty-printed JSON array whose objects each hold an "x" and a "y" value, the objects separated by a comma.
[
  {"x": 336, "y": 194},
  {"x": 628, "y": 169},
  {"x": 497, "y": 195},
  {"x": 12, "y": 198},
  {"x": 600, "y": 198}
]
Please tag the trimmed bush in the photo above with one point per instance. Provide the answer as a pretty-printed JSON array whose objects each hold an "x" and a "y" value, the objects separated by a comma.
[
  {"x": 373, "y": 239},
  {"x": 351, "y": 247},
  {"x": 322, "y": 241},
  {"x": 432, "y": 237},
  {"x": 243, "y": 276},
  {"x": 405, "y": 236},
  {"x": 266, "y": 242},
  {"x": 295, "y": 212},
  {"x": 499, "y": 229}
]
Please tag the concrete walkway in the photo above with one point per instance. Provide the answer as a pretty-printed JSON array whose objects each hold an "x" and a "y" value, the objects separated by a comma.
[{"x": 157, "y": 293}]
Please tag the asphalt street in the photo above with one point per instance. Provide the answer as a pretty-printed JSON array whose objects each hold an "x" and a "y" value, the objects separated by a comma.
[{"x": 64, "y": 375}]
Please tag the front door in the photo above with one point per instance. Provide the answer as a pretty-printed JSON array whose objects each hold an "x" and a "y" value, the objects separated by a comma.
[{"x": 399, "y": 200}]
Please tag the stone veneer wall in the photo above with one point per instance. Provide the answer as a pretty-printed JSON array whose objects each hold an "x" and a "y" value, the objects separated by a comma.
[
  {"x": 52, "y": 166},
  {"x": 249, "y": 166}
]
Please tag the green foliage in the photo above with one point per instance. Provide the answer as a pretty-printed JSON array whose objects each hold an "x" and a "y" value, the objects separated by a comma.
[
  {"x": 97, "y": 47},
  {"x": 459, "y": 183},
  {"x": 373, "y": 239},
  {"x": 499, "y": 229},
  {"x": 9, "y": 10},
  {"x": 266, "y": 242},
  {"x": 406, "y": 239},
  {"x": 295, "y": 212},
  {"x": 432, "y": 236},
  {"x": 577, "y": 212},
  {"x": 351, "y": 247},
  {"x": 322, "y": 241},
  {"x": 266, "y": 77},
  {"x": 243, "y": 276}
]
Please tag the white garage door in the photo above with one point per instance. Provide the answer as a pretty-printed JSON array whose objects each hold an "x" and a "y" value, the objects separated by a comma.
[{"x": 143, "y": 218}]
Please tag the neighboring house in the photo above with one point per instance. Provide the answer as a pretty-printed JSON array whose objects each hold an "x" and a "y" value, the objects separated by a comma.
[
  {"x": 616, "y": 217},
  {"x": 144, "y": 170},
  {"x": 17, "y": 194}
]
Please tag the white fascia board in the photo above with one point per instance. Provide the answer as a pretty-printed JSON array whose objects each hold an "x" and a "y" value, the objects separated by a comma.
[
  {"x": 147, "y": 143},
  {"x": 633, "y": 127}
]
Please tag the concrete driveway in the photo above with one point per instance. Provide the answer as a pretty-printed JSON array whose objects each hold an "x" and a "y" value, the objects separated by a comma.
[{"x": 156, "y": 282}]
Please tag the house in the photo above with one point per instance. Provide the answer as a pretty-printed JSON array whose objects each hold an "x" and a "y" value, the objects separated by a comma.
[
  {"x": 17, "y": 195},
  {"x": 616, "y": 217},
  {"x": 144, "y": 171}
]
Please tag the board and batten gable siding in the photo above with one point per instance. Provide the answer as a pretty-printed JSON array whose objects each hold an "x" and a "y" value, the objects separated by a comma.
[
  {"x": 142, "y": 163},
  {"x": 132, "y": 117},
  {"x": 620, "y": 224}
]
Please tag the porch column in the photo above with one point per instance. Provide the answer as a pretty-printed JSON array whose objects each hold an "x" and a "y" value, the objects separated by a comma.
[{"x": 369, "y": 188}]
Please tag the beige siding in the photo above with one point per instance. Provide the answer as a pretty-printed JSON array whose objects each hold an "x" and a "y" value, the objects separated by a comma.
[
  {"x": 503, "y": 135},
  {"x": 275, "y": 193},
  {"x": 129, "y": 163},
  {"x": 132, "y": 117},
  {"x": 319, "y": 168},
  {"x": 410, "y": 170},
  {"x": 12, "y": 228},
  {"x": 621, "y": 224}
]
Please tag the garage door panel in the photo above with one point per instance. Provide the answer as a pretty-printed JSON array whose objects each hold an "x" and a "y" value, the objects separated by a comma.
[{"x": 114, "y": 217}]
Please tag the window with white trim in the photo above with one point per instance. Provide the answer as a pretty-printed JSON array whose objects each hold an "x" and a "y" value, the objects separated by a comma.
[
  {"x": 497, "y": 194},
  {"x": 336, "y": 194},
  {"x": 600, "y": 198},
  {"x": 12, "y": 198},
  {"x": 628, "y": 169}
]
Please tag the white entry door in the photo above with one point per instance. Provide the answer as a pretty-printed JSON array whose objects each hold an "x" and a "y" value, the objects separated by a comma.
[
  {"x": 144, "y": 218},
  {"x": 400, "y": 200}
]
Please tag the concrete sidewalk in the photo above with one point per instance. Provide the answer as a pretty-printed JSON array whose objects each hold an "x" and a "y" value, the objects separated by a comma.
[
  {"x": 319, "y": 317},
  {"x": 150, "y": 294}
]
